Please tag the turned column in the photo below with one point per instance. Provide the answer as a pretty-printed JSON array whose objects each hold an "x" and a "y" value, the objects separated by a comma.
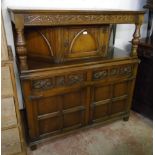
[
  {"x": 20, "y": 41},
  {"x": 135, "y": 40},
  {"x": 21, "y": 48}
]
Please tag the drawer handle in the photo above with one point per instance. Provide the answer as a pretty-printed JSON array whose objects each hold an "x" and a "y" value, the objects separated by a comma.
[{"x": 35, "y": 97}]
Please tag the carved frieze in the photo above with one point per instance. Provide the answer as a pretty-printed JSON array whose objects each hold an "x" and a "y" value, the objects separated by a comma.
[
  {"x": 59, "y": 81},
  {"x": 74, "y": 79},
  {"x": 62, "y": 19},
  {"x": 124, "y": 70},
  {"x": 100, "y": 74},
  {"x": 42, "y": 84}
]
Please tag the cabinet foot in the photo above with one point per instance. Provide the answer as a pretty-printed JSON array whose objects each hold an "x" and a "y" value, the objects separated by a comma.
[
  {"x": 126, "y": 118},
  {"x": 33, "y": 147}
]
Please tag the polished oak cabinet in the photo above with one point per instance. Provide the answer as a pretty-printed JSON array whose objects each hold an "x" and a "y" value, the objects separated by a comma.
[{"x": 71, "y": 78}]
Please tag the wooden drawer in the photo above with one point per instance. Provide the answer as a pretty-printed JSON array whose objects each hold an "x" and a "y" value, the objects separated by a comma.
[
  {"x": 59, "y": 81},
  {"x": 7, "y": 88},
  {"x": 11, "y": 141},
  {"x": 8, "y": 112},
  {"x": 113, "y": 73}
]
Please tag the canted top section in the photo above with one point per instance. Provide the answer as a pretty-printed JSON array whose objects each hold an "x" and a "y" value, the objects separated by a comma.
[{"x": 75, "y": 17}]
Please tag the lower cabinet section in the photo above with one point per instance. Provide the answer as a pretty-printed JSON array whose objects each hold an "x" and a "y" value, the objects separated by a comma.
[{"x": 53, "y": 110}]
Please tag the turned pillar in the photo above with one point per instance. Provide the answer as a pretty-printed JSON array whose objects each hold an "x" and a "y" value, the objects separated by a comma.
[
  {"x": 135, "y": 40},
  {"x": 20, "y": 42}
]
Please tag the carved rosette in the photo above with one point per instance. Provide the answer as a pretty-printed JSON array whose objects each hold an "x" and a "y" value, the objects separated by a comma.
[{"x": 59, "y": 19}]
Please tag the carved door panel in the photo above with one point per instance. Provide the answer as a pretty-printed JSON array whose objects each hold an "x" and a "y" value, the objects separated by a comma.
[
  {"x": 55, "y": 114},
  {"x": 110, "y": 99},
  {"x": 85, "y": 41}
]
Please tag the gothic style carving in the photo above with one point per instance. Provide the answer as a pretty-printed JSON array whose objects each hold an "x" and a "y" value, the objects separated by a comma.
[
  {"x": 74, "y": 79},
  {"x": 100, "y": 75},
  {"x": 21, "y": 49},
  {"x": 58, "y": 19},
  {"x": 42, "y": 84}
]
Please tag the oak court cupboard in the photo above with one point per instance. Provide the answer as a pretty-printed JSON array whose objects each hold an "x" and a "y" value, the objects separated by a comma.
[{"x": 71, "y": 76}]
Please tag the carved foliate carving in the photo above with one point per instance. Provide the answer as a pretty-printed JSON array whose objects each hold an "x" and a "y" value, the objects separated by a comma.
[
  {"x": 42, "y": 84},
  {"x": 60, "y": 81},
  {"x": 74, "y": 79},
  {"x": 100, "y": 74},
  {"x": 59, "y": 19},
  {"x": 114, "y": 71},
  {"x": 125, "y": 70}
]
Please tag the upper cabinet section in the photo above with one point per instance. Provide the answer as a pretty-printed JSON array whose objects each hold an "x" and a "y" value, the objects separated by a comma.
[
  {"x": 74, "y": 17},
  {"x": 63, "y": 36}
]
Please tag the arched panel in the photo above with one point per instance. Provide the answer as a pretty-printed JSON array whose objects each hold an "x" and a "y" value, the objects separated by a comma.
[
  {"x": 83, "y": 42},
  {"x": 40, "y": 43}
]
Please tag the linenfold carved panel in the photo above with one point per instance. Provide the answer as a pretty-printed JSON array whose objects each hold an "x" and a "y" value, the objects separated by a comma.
[{"x": 59, "y": 19}]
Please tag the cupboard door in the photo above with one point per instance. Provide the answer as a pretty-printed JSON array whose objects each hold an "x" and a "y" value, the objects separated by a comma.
[
  {"x": 55, "y": 114},
  {"x": 110, "y": 99},
  {"x": 85, "y": 41}
]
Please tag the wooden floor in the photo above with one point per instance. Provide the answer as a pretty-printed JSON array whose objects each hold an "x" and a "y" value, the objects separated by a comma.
[{"x": 119, "y": 138}]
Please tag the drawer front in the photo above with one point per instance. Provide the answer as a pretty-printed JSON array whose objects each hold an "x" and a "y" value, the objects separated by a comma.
[
  {"x": 59, "y": 81},
  {"x": 8, "y": 112},
  {"x": 11, "y": 141},
  {"x": 113, "y": 73},
  {"x": 7, "y": 88}
]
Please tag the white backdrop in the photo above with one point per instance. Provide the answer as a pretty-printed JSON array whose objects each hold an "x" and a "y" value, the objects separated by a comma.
[{"x": 123, "y": 33}]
